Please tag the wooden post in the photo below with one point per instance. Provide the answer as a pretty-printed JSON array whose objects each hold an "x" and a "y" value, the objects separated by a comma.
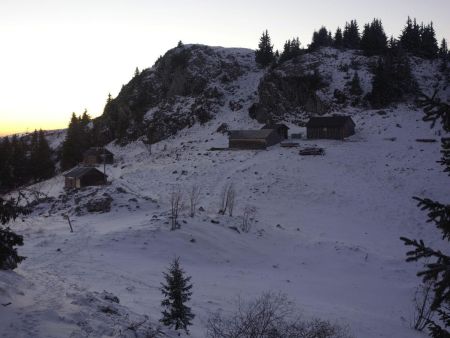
[{"x": 70, "y": 223}]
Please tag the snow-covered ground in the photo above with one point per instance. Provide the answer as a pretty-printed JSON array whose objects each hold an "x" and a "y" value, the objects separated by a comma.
[{"x": 326, "y": 232}]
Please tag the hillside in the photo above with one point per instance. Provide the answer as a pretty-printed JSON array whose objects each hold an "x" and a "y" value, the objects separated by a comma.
[{"x": 325, "y": 229}]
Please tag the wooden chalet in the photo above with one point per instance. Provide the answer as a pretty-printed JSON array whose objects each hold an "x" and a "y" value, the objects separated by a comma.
[
  {"x": 330, "y": 127},
  {"x": 253, "y": 139},
  {"x": 98, "y": 155},
  {"x": 84, "y": 176}
]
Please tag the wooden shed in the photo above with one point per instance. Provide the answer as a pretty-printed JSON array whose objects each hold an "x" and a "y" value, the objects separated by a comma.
[
  {"x": 98, "y": 155},
  {"x": 330, "y": 127},
  {"x": 253, "y": 139},
  {"x": 280, "y": 128},
  {"x": 84, "y": 176}
]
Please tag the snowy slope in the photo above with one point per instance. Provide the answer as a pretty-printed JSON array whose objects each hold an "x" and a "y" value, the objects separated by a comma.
[{"x": 325, "y": 231}]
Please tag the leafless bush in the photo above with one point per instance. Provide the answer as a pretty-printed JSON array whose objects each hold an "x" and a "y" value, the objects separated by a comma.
[
  {"x": 228, "y": 199},
  {"x": 193, "y": 199},
  {"x": 423, "y": 312},
  {"x": 270, "y": 316},
  {"x": 176, "y": 205},
  {"x": 247, "y": 217}
]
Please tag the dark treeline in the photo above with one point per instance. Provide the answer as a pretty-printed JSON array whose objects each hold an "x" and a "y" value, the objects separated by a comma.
[
  {"x": 24, "y": 160},
  {"x": 416, "y": 39}
]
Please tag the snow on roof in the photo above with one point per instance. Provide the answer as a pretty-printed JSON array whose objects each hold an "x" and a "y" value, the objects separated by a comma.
[
  {"x": 329, "y": 121},
  {"x": 250, "y": 134},
  {"x": 81, "y": 171}
]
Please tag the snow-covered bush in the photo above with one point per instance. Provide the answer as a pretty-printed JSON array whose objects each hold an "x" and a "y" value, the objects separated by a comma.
[{"x": 269, "y": 316}]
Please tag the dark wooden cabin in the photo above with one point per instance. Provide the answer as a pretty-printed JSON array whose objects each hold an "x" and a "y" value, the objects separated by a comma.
[
  {"x": 253, "y": 139},
  {"x": 280, "y": 128},
  {"x": 98, "y": 155},
  {"x": 84, "y": 176},
  {"x": 335, "y": 127}
]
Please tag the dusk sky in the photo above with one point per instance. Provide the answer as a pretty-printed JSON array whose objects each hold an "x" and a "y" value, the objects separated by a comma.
[{"x": 59, "y": 56}]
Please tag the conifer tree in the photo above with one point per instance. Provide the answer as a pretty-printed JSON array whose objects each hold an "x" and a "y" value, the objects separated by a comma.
[
  {"x": 78, "y": 140},
  {"x": 337, "y": 41},
  {"x": 410, "y": 38},
  {"x": 177, "y": 292},
  {"x": 392, "y": 79},
  {"x": 437, "y": 263},
  {"x": 9, "y": 258},
  {"x": 355, "y": 85},
  {"x": 45, "y": 168},
  {"x": 322, "y": 38},
  {"x": 374, "y": 40},
  {"x": 443, "y": 49},
  {"x": 429, "y": 47},
  {"x": 5, "y": 164},
  {"x": 136, "y": 72},
  {"x": 291, "y": 50},
  {"x": 351, "y": 38},
  {"x": 264, "y": 54}
]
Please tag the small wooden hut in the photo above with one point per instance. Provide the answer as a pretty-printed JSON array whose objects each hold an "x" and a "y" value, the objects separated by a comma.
[
  {"x": 84, "y": 176},
  {"x": 253, "y": 139},
  {"x": 330, "y": 127},
  {"x": 98, "y": 155}
]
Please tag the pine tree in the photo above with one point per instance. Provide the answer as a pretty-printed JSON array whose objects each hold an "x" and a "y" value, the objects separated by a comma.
[
  {"x": 437, "y": 263},
  {"x": 5, "y": 164},
  {"x": 176, "y": 292},
  {"x": 78, "y": 140},
  {"x": 429, "y": 47},
  {"x": 136, "y": 72},
  {"x": 291, "y": 50},
  {"x": 264, "y": 54},
  {"x": 374, "y": 40},
  {"x": 338, "y": 43},
  {"x": 351, "y": 38},
  {"x": 392, "y": 79},
  {"x": 322, "y": 38},
  {"x": 355, "y": 85},
  {"x": 9, "y": 258},
  {"x": 443, "y": 49},
  {"x": 45, "y": 168}
]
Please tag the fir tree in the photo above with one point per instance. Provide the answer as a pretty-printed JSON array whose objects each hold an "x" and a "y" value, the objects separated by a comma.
[
  {"x": 176, "y": 291},
  {"x": 5, "y": 164},
  {"x": 45, "y": 168},
  {"x": 322, "y": 38},
  {"x": 264, "y": 54},
  {"x": 9, "y": 258},
  {"x": 374, "y": 40},
  {"x": 443, "y": 49},
  {"x": 392, "y": 79},
  {"x": 437, "y": 263},
  {"x": 291, "y": 50},
  {"x": 410, "y": 39},
  {"x": 351, "y": 38},
  {"x": 429, "y": 47},
  {"x": 136, "y": 72},
  {"x": 355, "y": 85},
  {"x": 338, "y": 39},
  {"x": 78, "y": 140}
]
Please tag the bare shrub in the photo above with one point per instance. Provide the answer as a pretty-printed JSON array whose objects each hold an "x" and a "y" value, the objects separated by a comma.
[
  {"x": 176, "y": 205},
  {"x": 194, "y": 196},
  {"x": 228, "y": 199},
  {"x": 270, "y": 316},
  {"x": 247, "y": 218},
  {"x": 423, "y": 311}
]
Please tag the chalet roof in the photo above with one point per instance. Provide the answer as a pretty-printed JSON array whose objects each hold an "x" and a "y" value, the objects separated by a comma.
[
  {"x": 81, "y": 171},
  {"x": 335, "y": 121},
  {"x": 97, "y": 151},
  {"x": 250, "y": 134},
  {"x": 274, "y": 126}
]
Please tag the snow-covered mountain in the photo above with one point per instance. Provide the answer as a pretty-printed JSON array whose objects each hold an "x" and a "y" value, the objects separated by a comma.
[{"x": 324, "y": 230}]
